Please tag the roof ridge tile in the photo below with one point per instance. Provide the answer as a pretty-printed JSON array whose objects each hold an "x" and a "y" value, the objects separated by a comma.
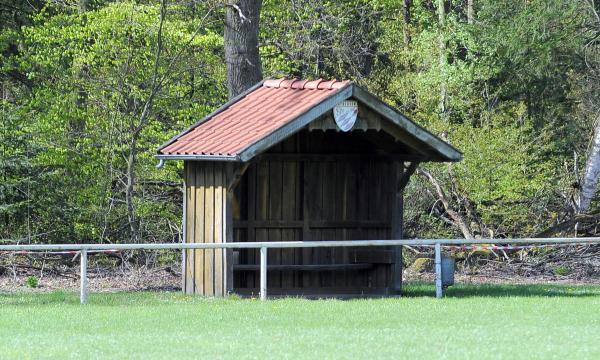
[{"x": 302, "y": 84}]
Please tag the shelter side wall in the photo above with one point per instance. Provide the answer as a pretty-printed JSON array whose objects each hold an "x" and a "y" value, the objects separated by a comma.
[{"x": 206, "y": 222}]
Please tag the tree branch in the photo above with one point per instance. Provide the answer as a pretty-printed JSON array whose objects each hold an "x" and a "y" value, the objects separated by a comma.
[{"x": 243, "y": 17}]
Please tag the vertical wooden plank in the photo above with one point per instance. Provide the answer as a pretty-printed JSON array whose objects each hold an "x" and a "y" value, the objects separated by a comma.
[
  {"x": 262, "y": 205},
  {"x": 378, "y": 213},
  {"x": 299, "y": 193},
  {"x": 289, "y": 208},
  {"x": 218, "y": 268},
  {"x": 362, "y": 207},
  {"x": 239, "y": 279},
  {"x": 339, "y": 257},
  {"x": 397, "y": 228},
  {"x": 186, "y": 233},
  {"x": 251, "y": 235},
  {"x": 288, "y": 213},
  {"x": 209, "y": 227},
  {"x": 307, "y": 195},
  {"x": 191, "y": 208},
  {"x": 275, "y": 213},
  {"x": 302, "y": 254},
  {"x": 184, "y": 239},
  {"x": 199, "y": 228},
  {"x": 329, "y": 205},
  {"x": 228, "y": 230},
  {"x": 240, "y": 197},
  {"x": 314, "y": 204},
  {"x": 317, "y": 212},
  {"x": 350, "y": 210}
]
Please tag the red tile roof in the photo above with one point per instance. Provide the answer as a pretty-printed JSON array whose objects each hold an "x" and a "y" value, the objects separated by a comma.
[{"x": 252, "y": 117}]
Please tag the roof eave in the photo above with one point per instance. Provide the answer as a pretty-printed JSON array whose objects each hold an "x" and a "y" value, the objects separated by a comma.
[
  {"x": 445, "y": 150},
  {"x": 198, "y": 157},
  {"x": 210, "y": 116}
]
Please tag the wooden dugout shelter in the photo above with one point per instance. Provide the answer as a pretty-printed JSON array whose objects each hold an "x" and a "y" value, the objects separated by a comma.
[{"x": 296, "y": 160}]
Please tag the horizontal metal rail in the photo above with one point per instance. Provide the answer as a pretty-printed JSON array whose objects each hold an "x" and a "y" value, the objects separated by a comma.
[
  {"x": 84, "y": 249},
  {"x": 293, "y": 244}
]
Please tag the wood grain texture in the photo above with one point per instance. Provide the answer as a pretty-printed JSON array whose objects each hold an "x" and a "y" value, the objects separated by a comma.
[
  {"x": 190, "y": 203},
  {"x": 199, "y": 219},
  {"x": 287, "y": 198},
  {"x": 206, "y": 222}
]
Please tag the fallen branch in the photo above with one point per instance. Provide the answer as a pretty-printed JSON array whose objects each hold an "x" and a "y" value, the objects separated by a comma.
[{"x": 456, "y": 218}]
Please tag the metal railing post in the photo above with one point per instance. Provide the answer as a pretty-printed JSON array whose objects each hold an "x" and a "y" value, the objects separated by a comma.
[
  {"x": 263, "y": 273},
  {"x": 438, "y": 270},
  {"x": 83, "y": 277}
]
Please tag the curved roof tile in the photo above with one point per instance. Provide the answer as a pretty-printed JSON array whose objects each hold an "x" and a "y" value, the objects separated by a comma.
[{"x": 250, "y": 118}]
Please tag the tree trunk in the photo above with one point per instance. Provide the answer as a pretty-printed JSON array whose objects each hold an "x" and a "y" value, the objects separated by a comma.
[
  {"x": 470, "y": 11},
  {"x": 83, "y": 6},
  {"x": 406, "y": 16},
  {"x": 442, "y": 55},
  {"x": 136, "y": 130},
  {"x": 592, "y": 172},
  {"x": 129, "y": 192},
  {"x": 592, "y": 55},
  {"x": 78, "y": 125},
  {"x": 241, "y": 45}
]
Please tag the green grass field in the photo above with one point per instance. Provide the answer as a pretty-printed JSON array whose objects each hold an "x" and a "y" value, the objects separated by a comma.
[{"x": 472, "y": 322}]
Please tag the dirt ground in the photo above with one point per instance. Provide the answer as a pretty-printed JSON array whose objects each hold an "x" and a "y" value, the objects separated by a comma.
[
  {"x": 575, "y": 265},
  {"x": 167, "y": 279},
  {"x": 159, "y": 279}
]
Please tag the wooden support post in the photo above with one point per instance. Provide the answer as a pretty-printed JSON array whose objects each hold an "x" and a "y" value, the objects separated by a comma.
[
  {"x": 402, "y": 176},
  {"x": 184, "y": 232},
  {"x": 83, "y": 277},
  {"x": 207, "y": 211},
  {"x": 228, "y": 253},
  {"x": 438, "y": 270},
  {"x": 397, "y": 229},
  {"x": 263, "y": 273}
]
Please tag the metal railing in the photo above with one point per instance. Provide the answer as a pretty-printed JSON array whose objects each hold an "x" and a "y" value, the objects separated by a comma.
[{"x": 264, "y": 246}]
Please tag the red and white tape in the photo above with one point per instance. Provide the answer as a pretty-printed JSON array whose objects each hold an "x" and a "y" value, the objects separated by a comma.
[
  {"x": 70, "y": 252},
  {"x": 502, "y": 247}
]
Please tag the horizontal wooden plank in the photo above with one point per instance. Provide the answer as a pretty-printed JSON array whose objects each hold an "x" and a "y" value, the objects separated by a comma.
[
  {"x": 303, "y": 267},
  {"x": 339, "y": 157},
  {"x": 315, "y": 224},
  {"x": 318, "y": 292},
  {"x": 375, "y": 256}
]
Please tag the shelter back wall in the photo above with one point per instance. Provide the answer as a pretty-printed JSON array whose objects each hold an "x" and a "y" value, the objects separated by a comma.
[{"x": 287, "y": 198}]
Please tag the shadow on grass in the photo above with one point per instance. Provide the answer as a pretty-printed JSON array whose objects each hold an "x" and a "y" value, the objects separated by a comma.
[
  {"x": 60, "y": 297},
  {"x": 413, "y": 290}
]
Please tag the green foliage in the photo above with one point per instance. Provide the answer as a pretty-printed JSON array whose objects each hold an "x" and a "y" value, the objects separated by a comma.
[
  {"x": 74, "y": 86},
  {"x": 562, "y": 270},
  {"x": 312, "y": 39},
  {"x": 32, "y": 282},
  {"x": 92, "y": 74}
]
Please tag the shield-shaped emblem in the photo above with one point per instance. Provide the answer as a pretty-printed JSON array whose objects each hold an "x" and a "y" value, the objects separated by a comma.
[{"x": 345, "y": 114}]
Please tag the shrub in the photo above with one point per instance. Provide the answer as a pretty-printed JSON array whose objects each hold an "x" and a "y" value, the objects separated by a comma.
[
  {"x": 562, "y": 270},
  {"x": 32, "y": 282}
]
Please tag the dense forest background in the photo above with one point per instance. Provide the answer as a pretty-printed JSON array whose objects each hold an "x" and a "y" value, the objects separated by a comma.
[{"x": 90, "y": 88}]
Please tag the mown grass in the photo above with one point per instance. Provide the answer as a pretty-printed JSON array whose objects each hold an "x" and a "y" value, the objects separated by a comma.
[{"x": 472, "y": 322}]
